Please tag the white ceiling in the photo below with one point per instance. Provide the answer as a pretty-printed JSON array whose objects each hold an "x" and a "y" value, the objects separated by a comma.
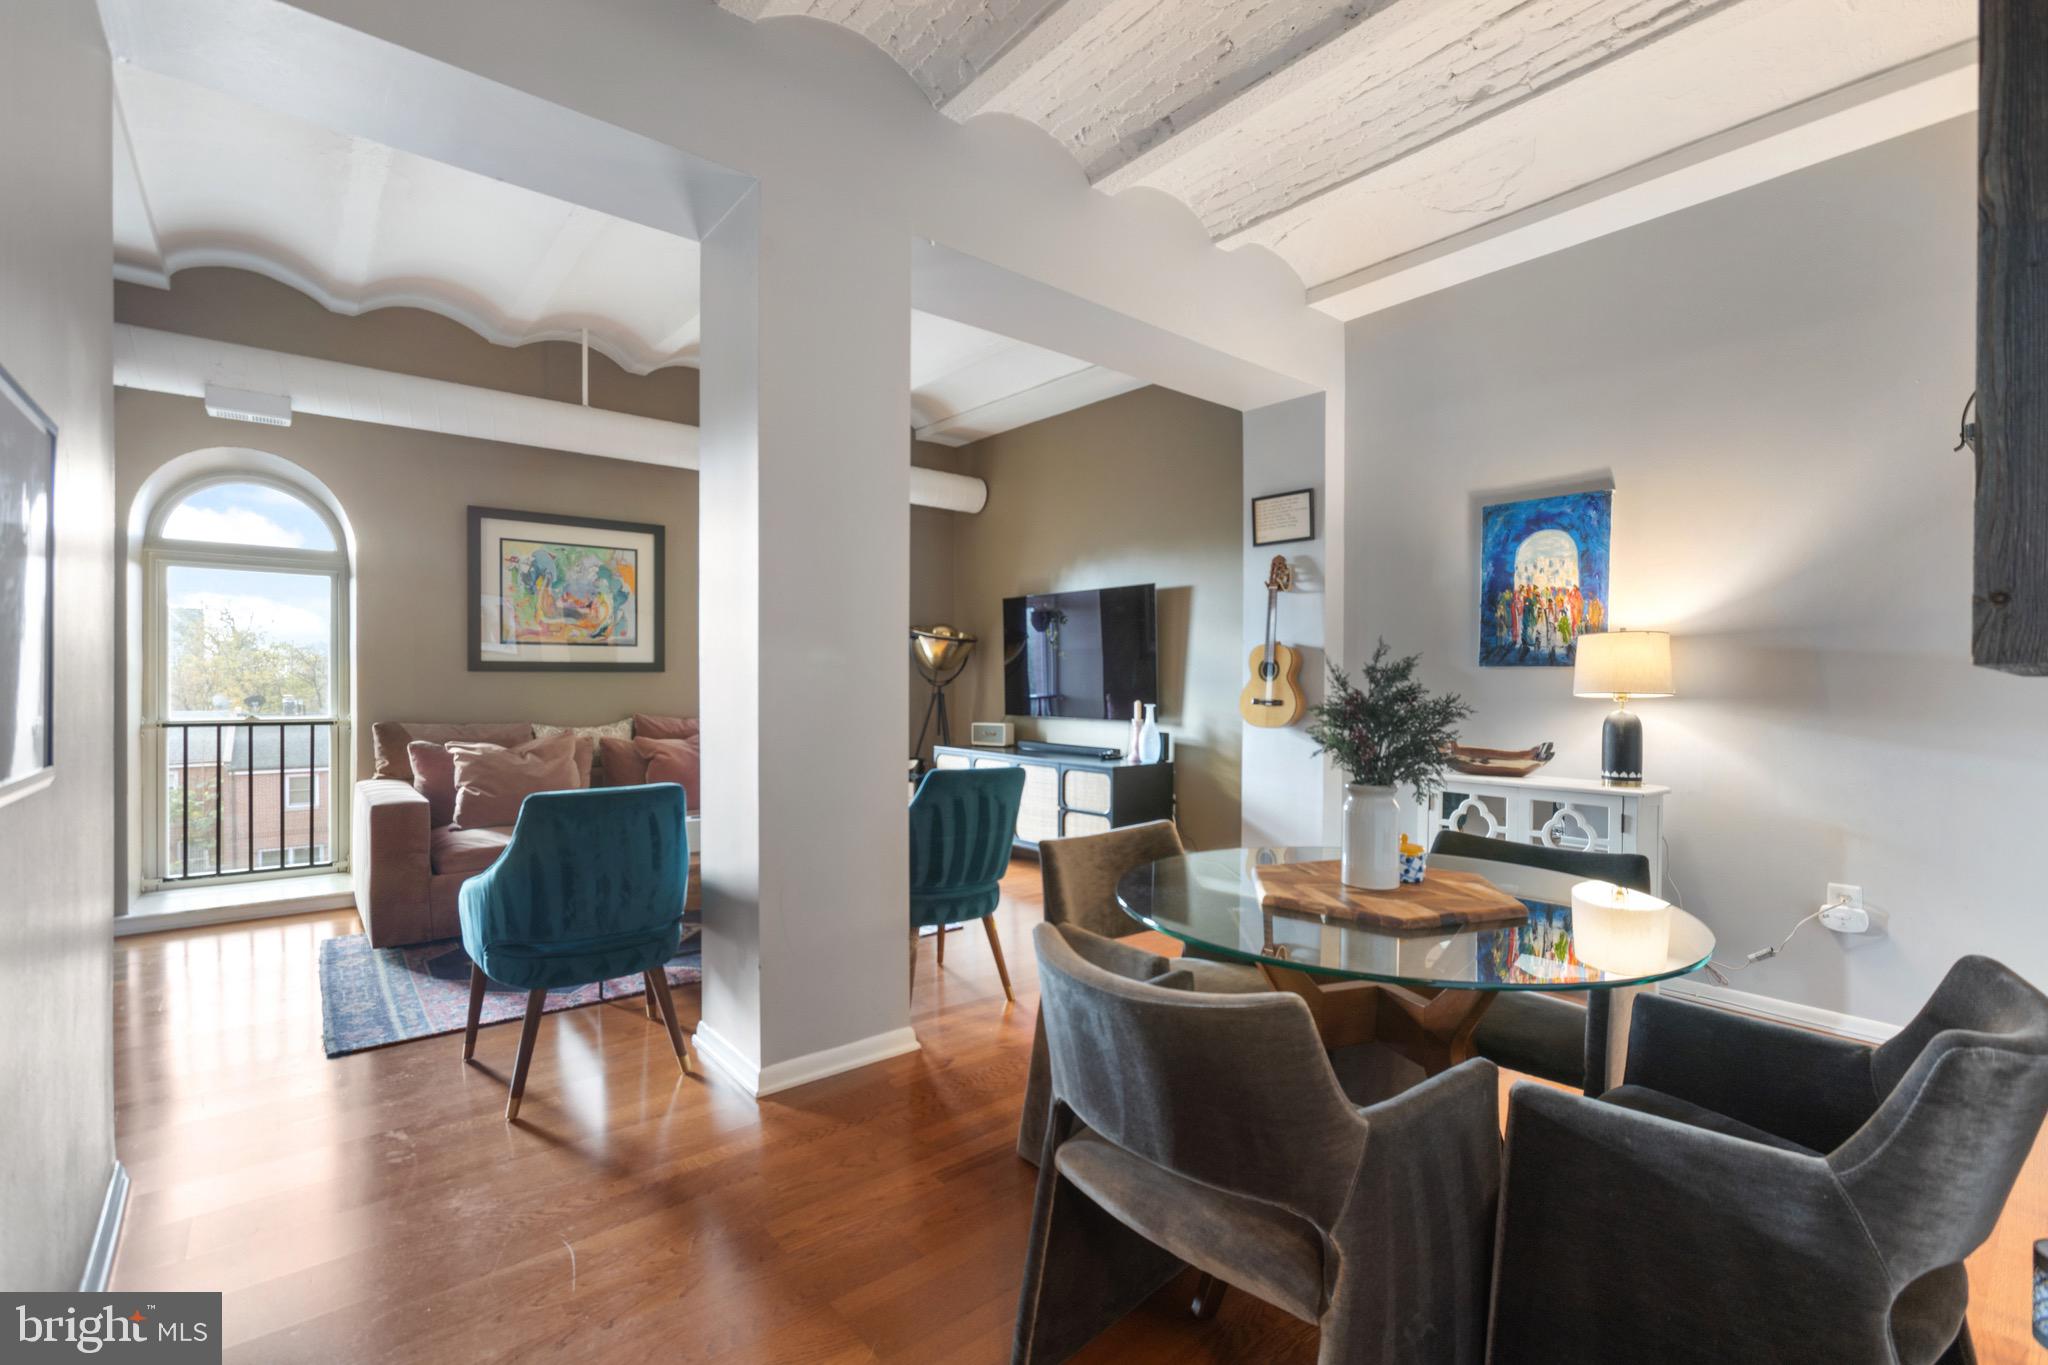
[
  {"x": 1346, "y": 135},
  {"x": 202, "y": 179}
]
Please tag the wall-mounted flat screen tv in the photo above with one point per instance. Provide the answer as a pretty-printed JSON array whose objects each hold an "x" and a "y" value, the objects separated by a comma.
[{"x": 1082, "y": 654}]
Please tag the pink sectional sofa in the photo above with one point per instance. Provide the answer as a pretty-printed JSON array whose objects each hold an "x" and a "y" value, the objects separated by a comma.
[{"x": 408, "y": 870}]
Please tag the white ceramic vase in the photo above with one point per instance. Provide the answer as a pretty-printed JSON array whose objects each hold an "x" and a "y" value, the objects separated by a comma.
[
  {"x": 1149, "y": 743},
  {"x": 1372, "y": 839}
]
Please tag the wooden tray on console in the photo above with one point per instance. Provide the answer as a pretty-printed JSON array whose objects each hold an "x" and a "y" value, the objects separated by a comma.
[{"x": 1441, "y": 900}]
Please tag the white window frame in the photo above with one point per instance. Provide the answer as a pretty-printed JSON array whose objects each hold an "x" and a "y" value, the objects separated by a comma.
[
  {"x": 160, "y": 554},
  {"x": 312, "y": 779}
]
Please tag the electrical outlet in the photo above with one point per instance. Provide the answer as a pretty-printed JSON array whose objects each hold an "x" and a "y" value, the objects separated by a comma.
[{"x": 1845, "y": 913}]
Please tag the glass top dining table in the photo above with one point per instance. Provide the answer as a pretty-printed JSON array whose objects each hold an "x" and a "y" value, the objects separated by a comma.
[
  {"x": 1420, "y": 992},
  {"x": 1211, "y": 901}
]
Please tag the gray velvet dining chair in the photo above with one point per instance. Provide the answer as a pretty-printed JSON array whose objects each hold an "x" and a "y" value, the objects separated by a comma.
[
  {"x": 1079, "y": 877},
  {"x": 1192, "y": 1129},
  {"x": 1766, "y": 1194},
  {"x": 1559, "y": 1036}
]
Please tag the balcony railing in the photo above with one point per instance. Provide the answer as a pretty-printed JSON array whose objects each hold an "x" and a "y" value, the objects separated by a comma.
[{"x": 245, "y": 797}]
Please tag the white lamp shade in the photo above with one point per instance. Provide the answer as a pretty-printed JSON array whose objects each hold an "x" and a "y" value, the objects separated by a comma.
[
  {"x": 1623, "y": 663},
  {"x": 1618, "y": 930}
]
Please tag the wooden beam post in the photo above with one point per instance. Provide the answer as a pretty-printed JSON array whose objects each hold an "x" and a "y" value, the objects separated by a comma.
[{"x": 2009, "y": 628}]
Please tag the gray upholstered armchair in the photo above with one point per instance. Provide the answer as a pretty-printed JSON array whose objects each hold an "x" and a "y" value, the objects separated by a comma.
[
  {"x": 1209, "y": 1130},
  {"x": 1762, "y": 1194},
  {"x": 1080, "y": 877}
]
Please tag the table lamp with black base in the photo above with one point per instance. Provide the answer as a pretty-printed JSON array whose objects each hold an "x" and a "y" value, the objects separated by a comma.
[{"x": 1622, "y": 664}]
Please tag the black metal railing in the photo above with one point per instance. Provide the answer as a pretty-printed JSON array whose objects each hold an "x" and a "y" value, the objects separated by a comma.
[{"x": 243, "y": 796}]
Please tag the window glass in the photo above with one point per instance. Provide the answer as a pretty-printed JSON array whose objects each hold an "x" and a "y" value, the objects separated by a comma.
[
  {"x": 248, "y": 642},
  {"x": 248, "y": 514}
]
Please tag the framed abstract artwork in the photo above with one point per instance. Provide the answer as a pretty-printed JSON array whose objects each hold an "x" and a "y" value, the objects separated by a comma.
[
  {"x": 1542, "y": 578},
  {"x": 28, "y": 604},
  {"x": 550, "y": 593}
]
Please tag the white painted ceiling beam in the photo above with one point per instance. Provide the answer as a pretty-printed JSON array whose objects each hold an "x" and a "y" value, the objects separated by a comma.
[
  {"x": 1922, "y": 93},
  {"x": 1024, "y": 59},
  {"x": 1089, "y": 384}
]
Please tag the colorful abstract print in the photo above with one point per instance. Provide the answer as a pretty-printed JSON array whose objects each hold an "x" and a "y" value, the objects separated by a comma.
[{"x": 555, "y": 594}]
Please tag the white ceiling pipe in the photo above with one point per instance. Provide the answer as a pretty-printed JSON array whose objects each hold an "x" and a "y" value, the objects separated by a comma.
[{"x": 170, "y": 362}]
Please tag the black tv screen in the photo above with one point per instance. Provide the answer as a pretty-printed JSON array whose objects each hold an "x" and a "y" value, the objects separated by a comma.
[{"x": 1084, "y": 654}]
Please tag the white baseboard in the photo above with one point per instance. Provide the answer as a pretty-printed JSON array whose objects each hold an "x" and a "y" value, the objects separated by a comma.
[
  {"x": 1783, "y": 1011},
  {"x": 758, "y": 1080},
  {"x": 99, "y": 1261}
]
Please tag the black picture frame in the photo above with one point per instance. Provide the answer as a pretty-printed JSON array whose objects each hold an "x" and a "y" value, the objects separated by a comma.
[
  {"x": 28, "y": 448},
  {"x": 1308, "y": 493},
  {"x": 651, "y": 586}
]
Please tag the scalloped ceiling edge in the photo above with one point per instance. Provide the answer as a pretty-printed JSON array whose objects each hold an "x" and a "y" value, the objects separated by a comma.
[{"x": 627, "y": 358}]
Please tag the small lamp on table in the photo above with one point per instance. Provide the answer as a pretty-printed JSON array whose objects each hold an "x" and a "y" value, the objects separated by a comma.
[{"x": 1622, "y": 664}]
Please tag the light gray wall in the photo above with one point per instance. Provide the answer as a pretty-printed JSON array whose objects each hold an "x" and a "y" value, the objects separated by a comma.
[
  {"x": 1772, "y": 382},
  {"x": 1283, "y": 790},
  {"x": 1144, "y": 488},
  {"x": 56, "y": 864}
]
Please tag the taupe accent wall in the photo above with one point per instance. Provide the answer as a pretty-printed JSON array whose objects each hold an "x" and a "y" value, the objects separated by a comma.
[
  {"x": 56, "y": 863},
  {"x": 406, "y": 494},
  {"x": 1144, "y": 488}
]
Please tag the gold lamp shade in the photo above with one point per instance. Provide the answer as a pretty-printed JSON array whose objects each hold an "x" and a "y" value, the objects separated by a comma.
[{"x": 941, "y": 647}]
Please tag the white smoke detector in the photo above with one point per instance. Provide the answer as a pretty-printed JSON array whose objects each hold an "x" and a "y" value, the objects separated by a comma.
[{"x": 246, "y": 405}]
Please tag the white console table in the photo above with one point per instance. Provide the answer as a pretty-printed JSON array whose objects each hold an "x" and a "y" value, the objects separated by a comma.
[{"x": 1555, "y": 812}]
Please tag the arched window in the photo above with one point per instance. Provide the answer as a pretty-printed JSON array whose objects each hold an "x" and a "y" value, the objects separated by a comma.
[{"x": 245, "y": 681}]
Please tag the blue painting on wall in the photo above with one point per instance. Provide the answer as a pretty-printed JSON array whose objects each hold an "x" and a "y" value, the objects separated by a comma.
[{"x": 1542, "y": 578}]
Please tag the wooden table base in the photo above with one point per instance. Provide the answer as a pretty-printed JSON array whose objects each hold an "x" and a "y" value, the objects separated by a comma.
[{"x": 1432, "y": 1028}]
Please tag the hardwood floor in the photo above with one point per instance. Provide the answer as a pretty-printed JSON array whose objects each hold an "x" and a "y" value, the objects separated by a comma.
[{"x": 378, "y": 1207}]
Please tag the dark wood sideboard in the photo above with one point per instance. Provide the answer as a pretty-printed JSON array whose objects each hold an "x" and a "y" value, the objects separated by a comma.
[{"x": 1065, "y": 796}]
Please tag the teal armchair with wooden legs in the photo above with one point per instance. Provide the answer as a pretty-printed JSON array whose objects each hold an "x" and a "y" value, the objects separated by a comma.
[
  {"x": 963, "y": 822},
  {"x": 590, "y": 888}
]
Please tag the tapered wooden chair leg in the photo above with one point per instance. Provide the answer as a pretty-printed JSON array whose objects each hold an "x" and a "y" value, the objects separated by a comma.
[
  {"x": 527, "y": 1033},
  {"x": 477, "y": 985},
  {"x": 995, "y": 945},
  {"x": 658, "y": 978},
  {"x": 647, "y": 996},
  {"x": 1208, "y": 1297},
  {"x": 939, "y": 936}
]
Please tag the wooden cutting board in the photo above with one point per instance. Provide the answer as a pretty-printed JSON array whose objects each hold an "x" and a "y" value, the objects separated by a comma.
[{"x": 1441, "y": 900}]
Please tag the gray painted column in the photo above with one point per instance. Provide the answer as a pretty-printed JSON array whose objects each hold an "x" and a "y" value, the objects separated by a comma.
[{"x": 804, "y": 585}]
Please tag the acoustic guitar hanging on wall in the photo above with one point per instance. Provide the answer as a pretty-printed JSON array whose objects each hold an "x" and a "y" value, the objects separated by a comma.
[{"x": 1272, "y": 699}]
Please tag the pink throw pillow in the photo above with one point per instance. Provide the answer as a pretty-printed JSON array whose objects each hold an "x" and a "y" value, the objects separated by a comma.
[
  {"x": 664, "y": 727},
  {"x": 491, "y": 782},
  {"x": 433, "y": 776},
  {"x": 673, "y": 760},
  {"x": 624, "y": 765}
]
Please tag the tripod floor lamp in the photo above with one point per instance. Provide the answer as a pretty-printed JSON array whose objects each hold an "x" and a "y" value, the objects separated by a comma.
[{"x": 941, "y": 653}]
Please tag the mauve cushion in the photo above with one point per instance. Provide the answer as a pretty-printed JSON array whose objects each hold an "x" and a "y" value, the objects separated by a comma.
[
  {"x": 620, "y": 763},
  {"x": 664, "y": 727},
  {"x": 490, "y": 783},
  {"x": 433, "y": 776},
  {"x": 673, "y": 760},
  {"x": 466, "y": 852},
  {"x": 391, "y": 736}
]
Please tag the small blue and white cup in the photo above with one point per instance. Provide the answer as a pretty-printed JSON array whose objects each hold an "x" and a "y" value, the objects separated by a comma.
[{"x": 1412, "y": 867}]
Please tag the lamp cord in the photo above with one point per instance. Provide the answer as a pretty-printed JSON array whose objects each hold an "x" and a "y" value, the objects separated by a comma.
[{"x": 1716, "y": 967}]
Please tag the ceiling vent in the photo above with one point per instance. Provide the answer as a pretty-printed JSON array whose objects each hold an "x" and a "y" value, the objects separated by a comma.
[{"x": 246, "y": 405}]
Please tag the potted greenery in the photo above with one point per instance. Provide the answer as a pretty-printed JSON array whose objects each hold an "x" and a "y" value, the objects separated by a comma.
[{"x": 1390, "y": 733}]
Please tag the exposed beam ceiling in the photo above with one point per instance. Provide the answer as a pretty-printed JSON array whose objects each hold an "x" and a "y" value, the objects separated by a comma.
[{"x": 1355, "y": 139}]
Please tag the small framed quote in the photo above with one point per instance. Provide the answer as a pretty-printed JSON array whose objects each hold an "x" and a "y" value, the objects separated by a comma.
[
  {"x": 563, "y": 594},
  {"x": 1283, "y": 518}
]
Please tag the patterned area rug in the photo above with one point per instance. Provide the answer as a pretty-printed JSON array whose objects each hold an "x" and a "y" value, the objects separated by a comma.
[{"x": 373, "y": 997}]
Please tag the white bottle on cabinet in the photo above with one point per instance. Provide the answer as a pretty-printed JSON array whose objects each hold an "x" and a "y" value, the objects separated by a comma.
[
  {"x": 1150, "y": 743},
  {"x": 1137, "y": 732}
]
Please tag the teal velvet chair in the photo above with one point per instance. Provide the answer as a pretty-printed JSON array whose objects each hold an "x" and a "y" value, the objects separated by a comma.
[
  {"x": 962, "y": 824},
  {"x": 591, "y": 887}
]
